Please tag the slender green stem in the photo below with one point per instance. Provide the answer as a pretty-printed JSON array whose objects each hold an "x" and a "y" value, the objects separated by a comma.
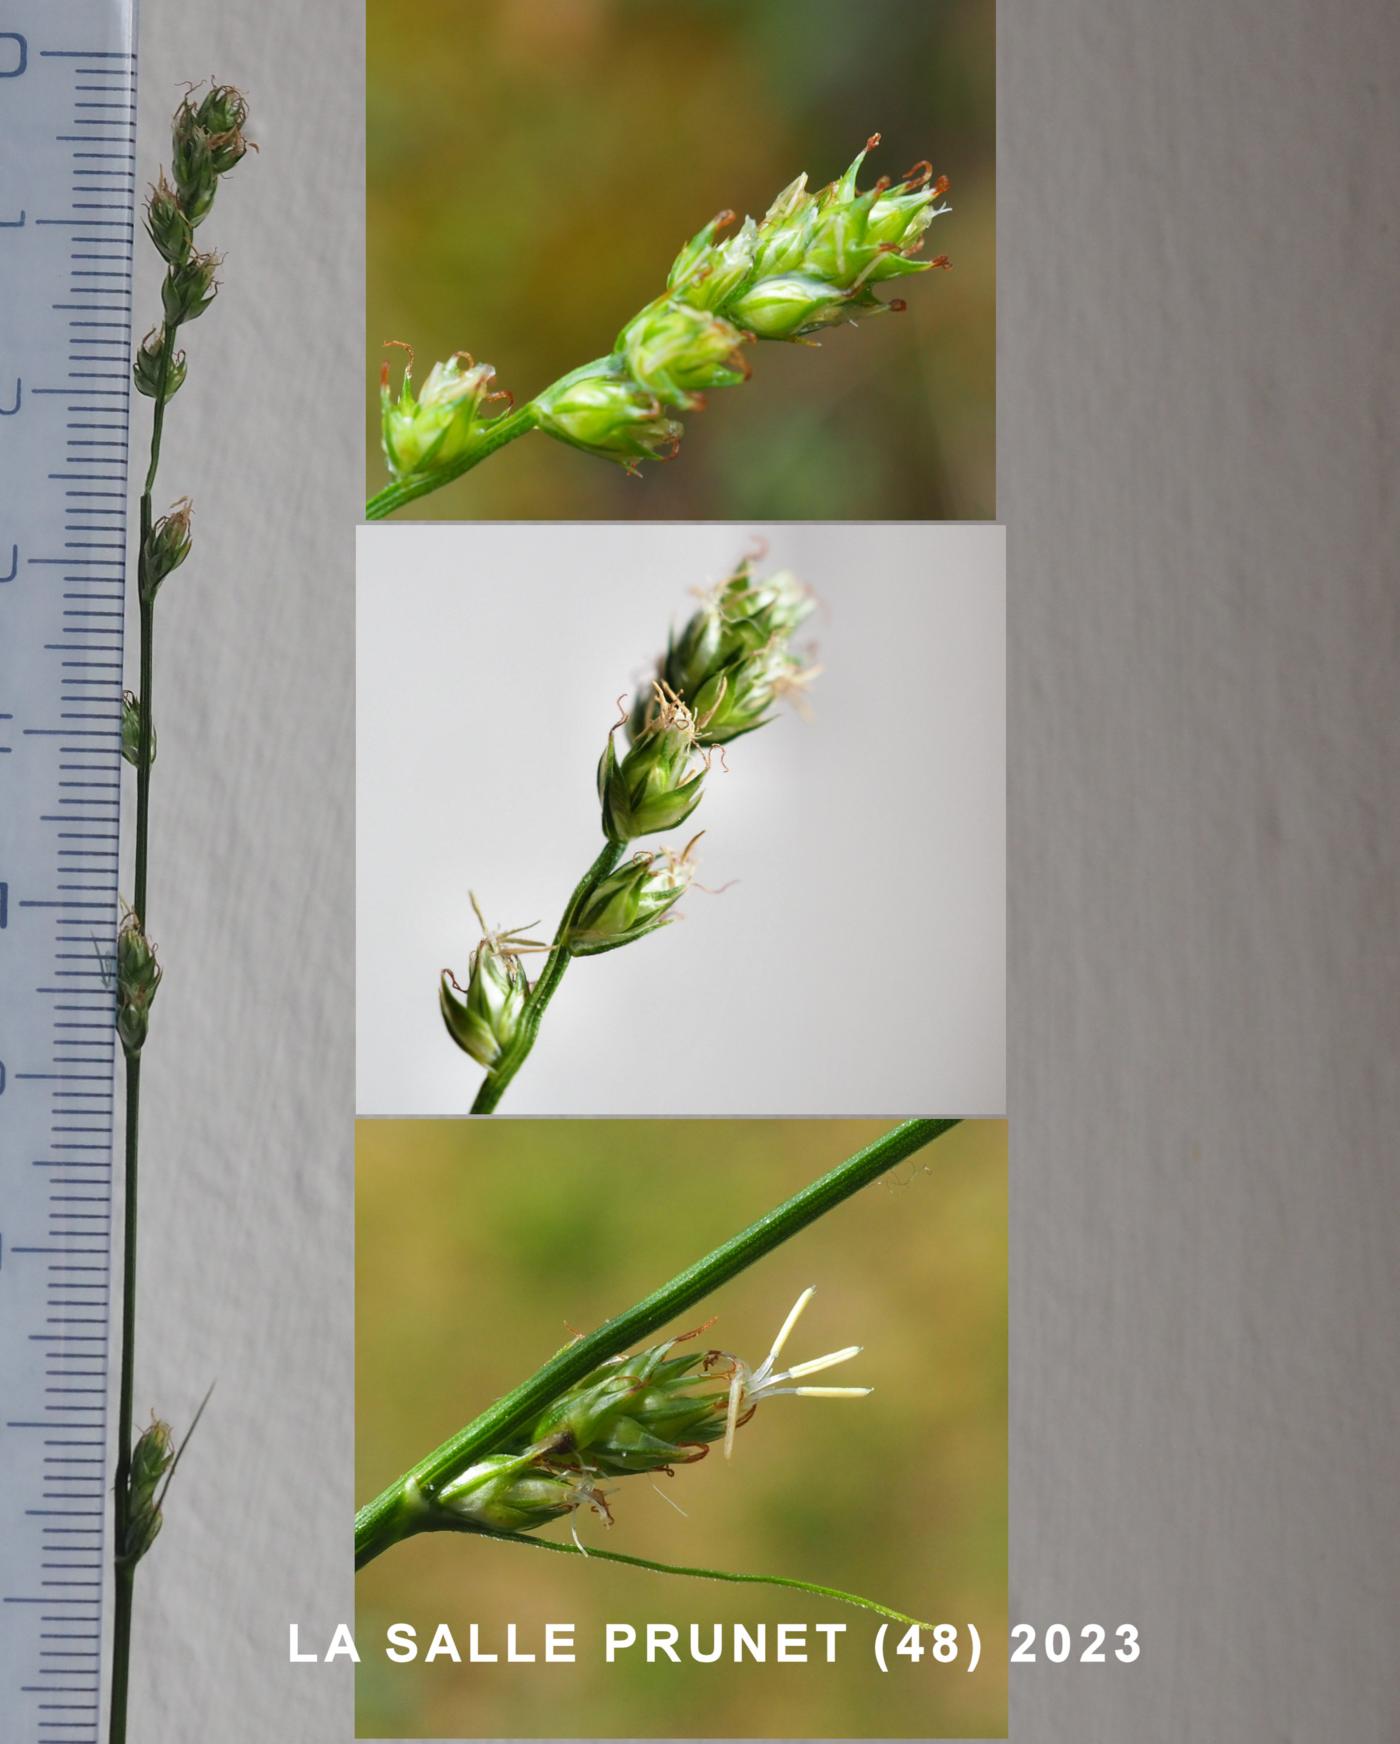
[
  {"x": 121, "y": 1632},
  {"x": 714, "y": 1574},
  {"x": 144, "y": 718},
  {"x": 167, "y": 353},
  {"x": 560, "y": 956},
  {"x": 126, "y": 1571},
  {"x": 495, "y": 435},
  {"x": 123, "y": 1593},
  {"x": 391, "y": 1517}
]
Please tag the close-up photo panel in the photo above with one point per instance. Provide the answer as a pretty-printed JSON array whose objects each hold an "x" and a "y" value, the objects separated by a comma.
[
  {"x": 702, "y": 818},
  {"x": 753, "y": 242},
  {"x": 698, "y": 872}
]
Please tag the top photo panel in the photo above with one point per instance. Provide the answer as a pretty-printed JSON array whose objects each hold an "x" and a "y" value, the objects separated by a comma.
[{"x": 681, "y": 260}]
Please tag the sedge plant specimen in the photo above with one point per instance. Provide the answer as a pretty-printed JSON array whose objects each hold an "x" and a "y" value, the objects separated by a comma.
[
  {"x": 593, "y": 1416},
  {"x": 813, "y": 262},
  {"x": 720, "y": 679},
  {"x": 207, "y": 142}
]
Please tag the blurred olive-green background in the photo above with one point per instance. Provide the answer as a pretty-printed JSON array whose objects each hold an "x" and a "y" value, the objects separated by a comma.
[
  {"x": 481, "y": 1243},
  {"x": 533, "y": 166}
]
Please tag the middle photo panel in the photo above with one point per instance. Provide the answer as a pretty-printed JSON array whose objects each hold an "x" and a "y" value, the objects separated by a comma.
[{"x": 680, "y": 819}]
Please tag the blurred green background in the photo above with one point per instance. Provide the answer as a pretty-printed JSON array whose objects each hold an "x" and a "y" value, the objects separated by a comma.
[
  {"x": 479, "y": 1244},
  {"x": 533, "y": 166}
]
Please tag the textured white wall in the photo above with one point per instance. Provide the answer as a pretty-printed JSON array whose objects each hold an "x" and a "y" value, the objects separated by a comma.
[{"x": 1197, "y": 433}]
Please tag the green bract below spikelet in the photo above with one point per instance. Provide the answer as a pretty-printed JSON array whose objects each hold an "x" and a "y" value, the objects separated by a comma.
[
  {"x": 649, "y": 1412},
  {"x": 812, "y": 262}
]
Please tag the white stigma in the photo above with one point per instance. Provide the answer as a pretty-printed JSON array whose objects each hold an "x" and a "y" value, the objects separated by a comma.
[{"x": 746, "y": 1387}]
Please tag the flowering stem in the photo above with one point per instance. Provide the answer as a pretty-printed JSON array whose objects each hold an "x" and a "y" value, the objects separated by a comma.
[
  {"x": 558, "y": 960},
  {"x": 494, "y": 435},
  {"x": 126, "y": 1569},
  {"x": 714, "y": 1574},
  {"x": 398, "y": 1513}
]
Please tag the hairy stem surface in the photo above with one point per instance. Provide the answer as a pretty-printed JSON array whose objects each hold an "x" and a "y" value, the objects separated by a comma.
[
  {"x": 558, "y": 960},
  {"x": 391, "y": 1516}
]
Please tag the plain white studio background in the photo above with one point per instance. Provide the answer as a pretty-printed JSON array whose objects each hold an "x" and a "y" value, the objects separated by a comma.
[{"x": 856, "y": 961}]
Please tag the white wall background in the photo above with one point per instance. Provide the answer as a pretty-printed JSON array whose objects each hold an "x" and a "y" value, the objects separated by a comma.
[
  {"x": 858, "y": 960},
  {"x": 1198, "y": 441}
]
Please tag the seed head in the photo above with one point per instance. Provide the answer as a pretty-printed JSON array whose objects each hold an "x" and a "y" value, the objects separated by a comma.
[
  {"x": 223, "y": 114},
  {"x": 151, "y": 1458},
  {"x": 647, "y": 1412},
  {"x": 438, "y": 426},
  {"x": 206, "y": 142},
  {"x": 145, "y": 370},
  {"x": 169, "y": 228},
  {"x": 675, "y": 352},
  {"x": 656, "y": 784},
  {"x": 192, "y": 164},
  {"x": 138, "y": 977},
  {"x": 740, "y": 697},
  {"x": 733, "y": 660},
  {"x": 812, "y": 261},
  {"x": 167, "y": 546},
  {"x": 631, "y": 902},
  {"x": 520, "y": 1492},
  {"x": 814, "y": 258},
  {"x": 707, "y": 272},
  {"x": 484, "y": 1019},
  {"x": 189, "y": 288},
  {"x": 601, "y": 409}
]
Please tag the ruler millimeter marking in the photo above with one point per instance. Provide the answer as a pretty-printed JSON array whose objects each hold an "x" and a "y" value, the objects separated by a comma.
[{"x": 67, "y": 198}]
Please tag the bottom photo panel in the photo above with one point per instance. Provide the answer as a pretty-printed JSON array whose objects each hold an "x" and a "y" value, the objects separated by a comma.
[{"x": 681, "y": 1428}]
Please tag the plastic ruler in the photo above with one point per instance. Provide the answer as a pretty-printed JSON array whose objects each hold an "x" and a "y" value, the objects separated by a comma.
[{"x": 67, "y": 200}]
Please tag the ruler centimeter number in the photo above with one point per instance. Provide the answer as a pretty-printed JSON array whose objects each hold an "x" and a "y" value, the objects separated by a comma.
[{"x": 67, "y": 201}]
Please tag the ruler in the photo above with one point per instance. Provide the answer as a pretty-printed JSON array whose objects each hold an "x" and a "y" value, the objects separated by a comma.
[{"x": 67, "y": 196}]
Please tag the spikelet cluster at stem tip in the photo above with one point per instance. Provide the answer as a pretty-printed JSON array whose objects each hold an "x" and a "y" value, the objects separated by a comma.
[
  {"x": 207, "y": 141},
  {"x": 814, "y": 260},
  {"x": 735, "y": 658}
]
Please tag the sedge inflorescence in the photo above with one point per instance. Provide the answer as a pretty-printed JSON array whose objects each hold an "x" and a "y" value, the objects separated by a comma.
[
  {"x": 207, "y": 142},
  {"x": 644, "y": 1413},
  {"x": 720, "y": 678},
  {"x": 813, "y": 261}
]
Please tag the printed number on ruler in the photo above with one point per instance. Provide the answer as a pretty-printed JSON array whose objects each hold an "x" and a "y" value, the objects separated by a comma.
[{"x": 67, "y": 195}]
